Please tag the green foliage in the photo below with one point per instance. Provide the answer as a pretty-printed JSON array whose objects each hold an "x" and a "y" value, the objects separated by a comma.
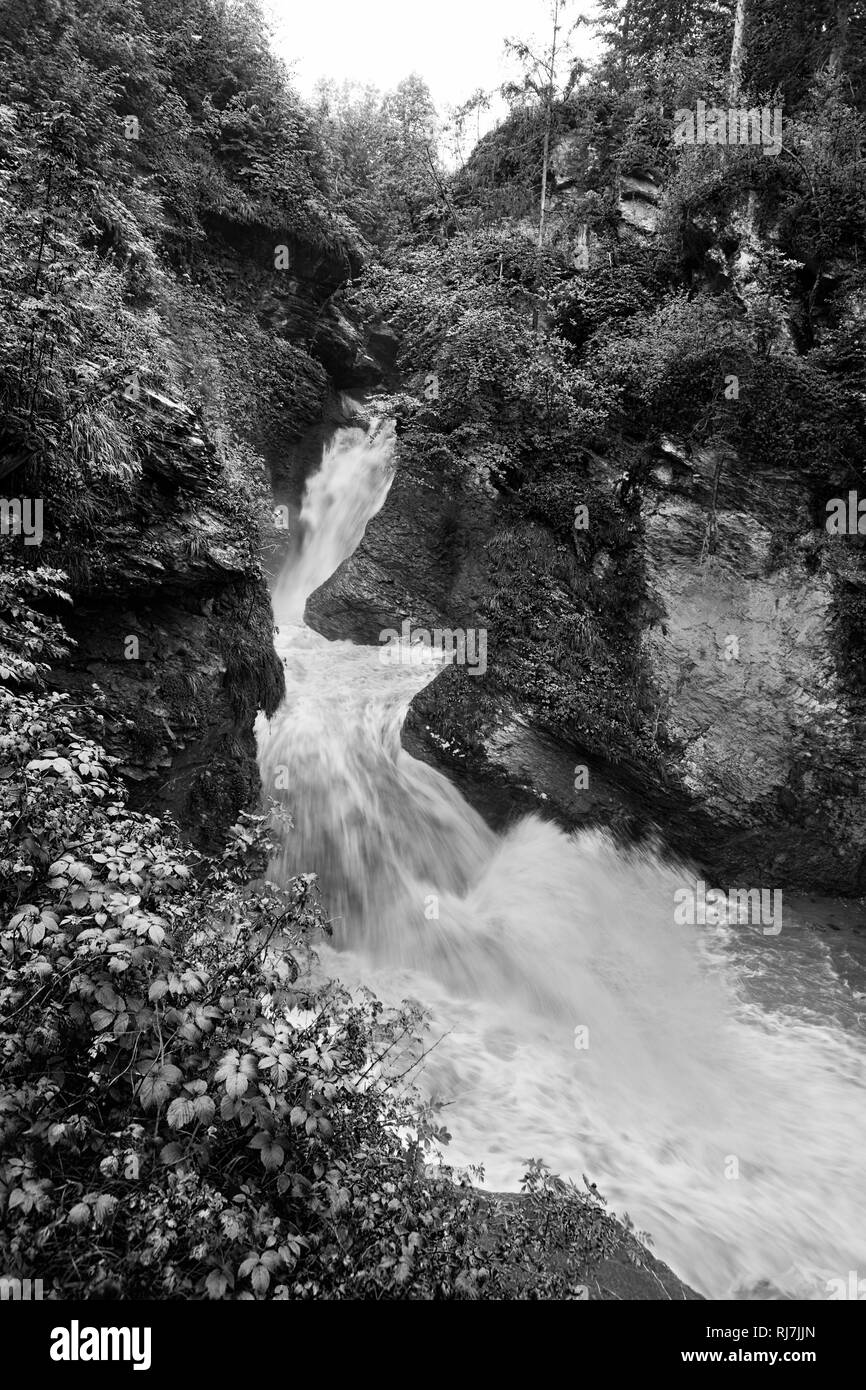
[
  {"x": 670, "y": 362},
  {"x": 463, "y": 311},
  {"x": 823, "y": 214},
  {"x": 183, "y": 1112},
  {"x": 30, "y": 639},
  {"x": 580, "y": 666},
  {"x": 786, "y": 44},
  {"x": 95, "y": 224},
  {"x": 382, "y": 150},
  {"x": 543, "y": 1243},
  {"x": 673, "y": 366},
  {"x": 502, "y": 176},
  {"x": 605, "y": 295},
  {"x": 639, "y": 31},
  {"x": 68, "y": 341}
]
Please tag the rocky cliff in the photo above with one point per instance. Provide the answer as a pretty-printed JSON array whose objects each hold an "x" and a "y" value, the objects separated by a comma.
[
  {"x": 171, "y": 616},
  {"x": 719, "y": 580}
]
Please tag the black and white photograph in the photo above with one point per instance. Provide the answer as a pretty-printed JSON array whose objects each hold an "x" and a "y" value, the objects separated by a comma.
[{"x": 432, "y": 672}]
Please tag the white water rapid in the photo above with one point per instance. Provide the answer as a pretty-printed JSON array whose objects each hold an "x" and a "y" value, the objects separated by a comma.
[{"x": 711, "y": 1050}]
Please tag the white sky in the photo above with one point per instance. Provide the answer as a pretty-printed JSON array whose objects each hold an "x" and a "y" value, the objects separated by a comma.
[{"x": 456, "y": 45}]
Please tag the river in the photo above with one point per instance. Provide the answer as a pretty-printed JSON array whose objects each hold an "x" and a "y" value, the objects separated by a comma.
[{"x": 710, "y": 1079}]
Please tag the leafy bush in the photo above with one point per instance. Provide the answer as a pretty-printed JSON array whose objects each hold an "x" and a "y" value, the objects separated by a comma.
[
  {"x": 606, "y": 294},
  {"x": 465, "y": 315},
  {"x": 184, "y": 1111},
  {"x": 670, "y": 362},
  {"x": 30, "y": 639},
  {"x": 824, "y": 212},
  {"x": 673, "y": 366}
]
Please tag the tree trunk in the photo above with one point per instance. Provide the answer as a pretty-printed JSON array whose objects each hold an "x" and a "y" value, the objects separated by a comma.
[
  {"x": 626, "y": 25},
  {"x": 738, "y": 52},
  {"x": 840, "y": 42},
  {"x": 545, "y": 158}
]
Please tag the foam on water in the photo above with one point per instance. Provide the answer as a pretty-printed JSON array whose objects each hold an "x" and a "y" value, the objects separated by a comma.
[{"x": 706, "y": 1045}]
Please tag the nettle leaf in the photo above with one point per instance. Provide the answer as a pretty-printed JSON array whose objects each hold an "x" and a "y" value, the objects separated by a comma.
[
  {"x": 273, "y": 1156},
  {"x": 206, "y": 1017},
  {"x": 107, "y": 995},
  {"x": 236, "y": 1072},
  {"x": 204, "y": 1109},
  {"x": 170, "y": 1153},
  {"x": 105, "y": 1205},
  {"x": 79, "y": 1215},
  {"x": 216, "y": 1283},
  {"x": 180, "y": 1112},
  {"x": 236, "y": 1084},
  {"x": 229, "y": 1108},
  {"x": 157, "y": 1083},
  {"x": 228, "y": 1064},
  {"x": 28, "y": 911}
]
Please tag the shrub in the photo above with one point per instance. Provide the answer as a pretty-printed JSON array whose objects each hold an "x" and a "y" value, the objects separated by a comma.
[{"x": 184, "y": 1112}]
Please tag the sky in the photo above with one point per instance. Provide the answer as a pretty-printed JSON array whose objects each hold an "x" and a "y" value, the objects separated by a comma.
[{"x": 456, "y": 45}]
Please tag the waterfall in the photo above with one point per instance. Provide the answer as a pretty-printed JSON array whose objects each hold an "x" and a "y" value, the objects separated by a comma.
[{"x": 711, "y": 1080}]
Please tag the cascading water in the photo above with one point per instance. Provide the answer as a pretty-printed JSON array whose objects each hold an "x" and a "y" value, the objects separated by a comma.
[{"x": 721, "y": 1099}]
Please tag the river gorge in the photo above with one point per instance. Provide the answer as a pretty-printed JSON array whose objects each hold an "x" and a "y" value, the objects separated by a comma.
[{"x": 710, "y": 1079}]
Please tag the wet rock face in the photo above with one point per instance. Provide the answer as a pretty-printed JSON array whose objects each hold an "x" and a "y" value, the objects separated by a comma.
[
  {"x": 745, "y": 659},
  {"x": 425, "y": 563},
  {"x": 638, "y": 202},
  {"x": 425, "y": 558},
  {"x": 180, "y": 713},
  {"x": 172, "y": 618},
  {"x": 569, "y": 161},
  {"x": 758, "y": 735},
  {"x": 761, "y": 755},
  {"x": 172, "y": 621},
  {"x": 296, "y": 289}
]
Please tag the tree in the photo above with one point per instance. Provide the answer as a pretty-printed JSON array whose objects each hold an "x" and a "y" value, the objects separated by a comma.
[
  {"x": 772, "y": 45},
  {"x": 458, "y": 119},
  {"x": 737, "y": 52},
  {"x": 637, "y": 29},
  {"x": 383, "y": 150},
  {"x": 788, "y": 46},
  {"x": 544, "y": 80}
]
